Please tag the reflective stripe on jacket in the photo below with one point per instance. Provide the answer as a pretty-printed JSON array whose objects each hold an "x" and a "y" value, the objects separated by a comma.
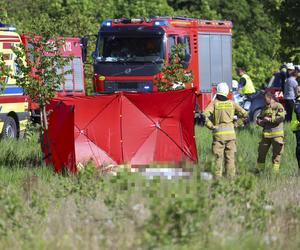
[
  {"x": 248, "y": 88},
  {"x": 224, "y": 131},
  {"x": 220, "y": 116},
  {"x": 276, "y": 113},
  {"x": 275, "y": 132}
]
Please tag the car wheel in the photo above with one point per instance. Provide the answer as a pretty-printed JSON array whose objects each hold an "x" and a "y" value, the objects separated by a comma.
[
  {"x": 10, "y": 128},
  {"x": 255, "y": 115}
]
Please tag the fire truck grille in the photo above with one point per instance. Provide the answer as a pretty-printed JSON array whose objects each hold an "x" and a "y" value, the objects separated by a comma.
[{"x": 139, "y": 86}]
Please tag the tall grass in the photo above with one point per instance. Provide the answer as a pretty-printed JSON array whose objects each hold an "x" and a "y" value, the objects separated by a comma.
[{"x": 43, "y": 210}]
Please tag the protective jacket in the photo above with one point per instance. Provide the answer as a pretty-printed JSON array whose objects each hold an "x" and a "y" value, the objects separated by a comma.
[
  {"x": 248, "y": 87},
  {"x": 295, "y": 123},
  {"x": 219, "y": 117},
  {"x": 273, "y": 128}
]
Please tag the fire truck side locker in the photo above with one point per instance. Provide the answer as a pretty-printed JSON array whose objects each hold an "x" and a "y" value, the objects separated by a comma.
[{"x": 214, "y": 60}]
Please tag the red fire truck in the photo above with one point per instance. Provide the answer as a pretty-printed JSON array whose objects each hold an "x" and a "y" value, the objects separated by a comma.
[
  {"x": 129, "y": 53},
  {"x": 15, "y": 108},
  {"x": 73, "y": 84}
]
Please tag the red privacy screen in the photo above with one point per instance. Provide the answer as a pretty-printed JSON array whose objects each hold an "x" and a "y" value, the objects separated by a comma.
[{"x": 122, "y": 128}]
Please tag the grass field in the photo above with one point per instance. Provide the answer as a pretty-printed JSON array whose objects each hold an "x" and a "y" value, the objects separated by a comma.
[{"x": 43, "y": 210}]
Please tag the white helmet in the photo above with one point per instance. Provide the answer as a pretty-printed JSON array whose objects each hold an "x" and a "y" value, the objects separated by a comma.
[
  {"x": 290, "y": 66},
  {"x": 222, "y": 89},
  {"x": 235, "y": 84}
]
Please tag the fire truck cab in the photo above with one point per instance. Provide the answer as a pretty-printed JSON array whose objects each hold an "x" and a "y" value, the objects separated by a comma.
[{"x": 129, "y": 53}]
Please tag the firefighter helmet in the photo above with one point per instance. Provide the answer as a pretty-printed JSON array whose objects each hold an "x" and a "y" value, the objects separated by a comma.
[{"x": 223, "y": 89}]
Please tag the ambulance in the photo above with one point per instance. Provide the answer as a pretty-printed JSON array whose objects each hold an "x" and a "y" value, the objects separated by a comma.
[{"x": 14, "y": 112}]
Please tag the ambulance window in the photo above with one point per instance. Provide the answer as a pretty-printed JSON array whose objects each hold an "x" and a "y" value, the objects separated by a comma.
[{"x": 171, "y": 43}]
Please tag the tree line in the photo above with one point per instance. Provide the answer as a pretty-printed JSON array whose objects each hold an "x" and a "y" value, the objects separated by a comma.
[{"x": 266, "y": 33}]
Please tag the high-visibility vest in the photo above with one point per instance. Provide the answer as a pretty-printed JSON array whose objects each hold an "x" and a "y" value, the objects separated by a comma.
[
  {"x": 295, "y": 124},
  {"x": 248, "y": 88}
]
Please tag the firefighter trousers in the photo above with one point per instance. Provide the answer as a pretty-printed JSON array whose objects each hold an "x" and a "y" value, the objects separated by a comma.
[
  {"x": 277, "y": 148},
  {"x": 224, "y": 151}
]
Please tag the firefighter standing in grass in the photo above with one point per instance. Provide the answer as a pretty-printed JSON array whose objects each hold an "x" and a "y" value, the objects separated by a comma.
[
  {"x": 271, "y": 119},
  {"x": 220, "y": 117}
]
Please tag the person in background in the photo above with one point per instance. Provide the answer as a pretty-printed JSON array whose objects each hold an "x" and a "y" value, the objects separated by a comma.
[
  {"x": 290, "y": 67},
  {"x": 297, "y": 68},
  {"x": 246, "y": 85},
  {"x": 220, "y": 117},
  {"x": 295, "y": 125},
  {"x": 235, "y": 85},
  {"x": 271, "y": 119},
  {"x": 290, "y": 92},
  {"x": 278, "y": 79}
]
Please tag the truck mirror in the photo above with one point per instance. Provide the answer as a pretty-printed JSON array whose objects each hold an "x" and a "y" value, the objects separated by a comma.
[
  {"x": 185, "y": 60},
  {"x": 180, "y": 40},
  {"x": 84, "y": 44},
  {"x": 187, "y": 57}
]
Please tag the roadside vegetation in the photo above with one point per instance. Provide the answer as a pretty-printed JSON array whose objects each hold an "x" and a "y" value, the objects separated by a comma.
[
  {"x": 265, "y": 32},
  {"x": 40, "y": 209}
]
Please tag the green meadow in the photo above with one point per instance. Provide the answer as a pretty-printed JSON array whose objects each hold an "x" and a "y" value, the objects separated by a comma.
[{"x": 91, "y": 210}]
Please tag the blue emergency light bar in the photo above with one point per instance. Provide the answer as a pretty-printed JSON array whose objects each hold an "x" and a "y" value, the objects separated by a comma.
[
  {"x": 7, "y": 27},
  {"x": 107, "y": 23},
  {"x": 160, "y": 23}
]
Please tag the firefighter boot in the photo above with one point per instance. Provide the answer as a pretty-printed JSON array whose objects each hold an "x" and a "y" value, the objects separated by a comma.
[{"x": 276, "y": 168}]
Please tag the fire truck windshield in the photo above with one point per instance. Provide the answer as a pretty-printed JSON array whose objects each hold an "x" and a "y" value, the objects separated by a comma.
[{"x": 113, "y": 48}]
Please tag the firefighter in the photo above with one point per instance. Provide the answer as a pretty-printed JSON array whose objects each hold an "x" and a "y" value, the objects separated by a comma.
[
  {"x": 295, "y": 125},
  {"x": 271, "y": 119},
  {"x": 219, "y": 117},
  {"x": 245, "y": 84}
]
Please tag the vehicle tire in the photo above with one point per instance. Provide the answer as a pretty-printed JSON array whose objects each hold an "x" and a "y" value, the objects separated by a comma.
[
  {"x": 255, "y": 115},
  {"x": 10, "y": 128}
]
